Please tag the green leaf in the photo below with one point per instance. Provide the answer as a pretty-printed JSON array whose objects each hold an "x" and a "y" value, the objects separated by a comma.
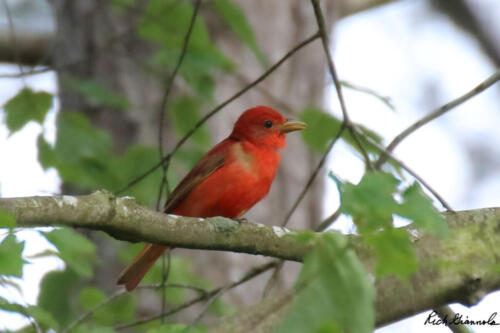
[
  {"x": 46, "y": 155},
  {"x": 76, "y": 251},
  {"x": 78, "y": 140},
  {"x": 43, "y": 254},
  {"x": 333, "y": 291},
  {"x": 7, "y": 220},
  {"x": 133, "y": 162},
  {"x": 371, "y": 202},
  {"x": 43, "y": 318},
  {"x": 184, "y": 113},
  {"x": 181, "y": 271},
  {"x": 11, "y": 283},
  {"x": 166, "y": 22},
  {"x": 394, "y": 253},
  {"x": 321, "y": 128},
  {"x": 25, "y": 106},
  {"x": 80, "y": 154},
  {"x": 90, "y": 297},
  {"x": 56, "y": 293},
  {"x": 418, "y": 208},
  {"x": 368, "y": 146},
  {"x": 11, "y": 260},
  {"x": 83, "y": 158},
  {"x": 235, "y": 18},
  {"x": 170, "y": 30},
  {"x": 98, "y": 94},
  {"x": 306, "y": 237},
  {"x": 328, "y": 328},
  {"x": 120, "y": 310},
  {"x": 11, "y": 307}
]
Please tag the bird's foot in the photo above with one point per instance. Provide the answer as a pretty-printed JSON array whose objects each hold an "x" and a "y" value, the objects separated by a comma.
[{"x": 241, "y": 220}]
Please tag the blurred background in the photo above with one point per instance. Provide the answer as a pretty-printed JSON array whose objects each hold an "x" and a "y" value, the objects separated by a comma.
[{"x": 108, "y": 62}]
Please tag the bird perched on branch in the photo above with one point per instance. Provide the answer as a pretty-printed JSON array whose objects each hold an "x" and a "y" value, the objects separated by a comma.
[{"x": 231, "y": 178}]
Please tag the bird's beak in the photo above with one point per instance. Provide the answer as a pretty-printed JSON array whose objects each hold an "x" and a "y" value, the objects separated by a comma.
[{"x": 292, "y": 125}]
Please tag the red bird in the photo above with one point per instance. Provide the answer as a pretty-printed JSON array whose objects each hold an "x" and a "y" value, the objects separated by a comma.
[{"x": 231, "y": 178}]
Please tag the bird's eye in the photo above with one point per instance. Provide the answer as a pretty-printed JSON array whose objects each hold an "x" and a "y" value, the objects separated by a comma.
[{"x": 268, "y": 124}]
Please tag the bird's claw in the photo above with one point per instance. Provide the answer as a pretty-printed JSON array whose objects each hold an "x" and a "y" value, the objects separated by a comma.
[{"x": 241, "y": 220}]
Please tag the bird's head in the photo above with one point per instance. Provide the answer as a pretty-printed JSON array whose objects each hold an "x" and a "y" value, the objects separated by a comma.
[{"x": 264, "y": 126}]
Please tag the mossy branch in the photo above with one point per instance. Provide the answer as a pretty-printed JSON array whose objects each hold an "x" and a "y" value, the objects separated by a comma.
[
  {"x": 124, "y": 219},
  {"x": 462, "y": 268}
]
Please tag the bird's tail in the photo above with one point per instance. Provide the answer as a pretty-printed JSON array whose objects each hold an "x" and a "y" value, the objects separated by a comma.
[{"x": 141, "y": 264}]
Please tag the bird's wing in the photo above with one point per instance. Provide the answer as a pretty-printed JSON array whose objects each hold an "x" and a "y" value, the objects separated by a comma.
[{"x": 204, "y": 168}]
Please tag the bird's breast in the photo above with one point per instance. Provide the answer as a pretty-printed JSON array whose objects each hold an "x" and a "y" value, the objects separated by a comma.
[{"x": 240, "y": 183}]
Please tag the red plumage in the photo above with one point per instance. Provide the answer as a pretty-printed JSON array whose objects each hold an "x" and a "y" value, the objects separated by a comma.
[{"x": 231, "y": 178}]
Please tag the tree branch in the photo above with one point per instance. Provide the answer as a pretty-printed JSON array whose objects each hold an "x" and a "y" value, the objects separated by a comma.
[
  {"x": 449, "y": 272},
  {"x": 468, "y": 273},
  {"x": 124, "y": 219},
  {"x": 32, "y": 47},
  {"x": 491, "y": 80}
]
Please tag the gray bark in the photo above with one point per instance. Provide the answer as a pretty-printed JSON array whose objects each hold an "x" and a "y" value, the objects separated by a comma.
[{"x": 448, "y": 272}]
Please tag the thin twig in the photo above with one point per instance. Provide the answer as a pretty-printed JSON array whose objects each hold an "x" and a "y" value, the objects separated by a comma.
[
  {"x": 346, "y": 121},
  {"x": 384, "y": 99},
  {"x": 34, "y": 71},
  {"x": 86, "y": 314},
  {"x": 410, "y": 171},
  {"x": 273, "y": 279},
  {"x": 123, "y": 291},
  {"x": 318, "y": 13},
  {"x": 165, "y": 271},
  {"x": 163, "y": 105},
  {"x": 207, "y": 304},
  {"x": 495, "y": 77},
  {"x": 249, "y": 275},
  {"x": 167, "y": 157},
  {"x": 329, "y": 221},
  {"x": 173, "y": 285},
  {"x": 362, "y": 149},
  {"x": 283, "y": 106},
  {"x": 326, "y": 48},
  {"x": 313, "y": 176},
  {"x": 12, "y": 39}
]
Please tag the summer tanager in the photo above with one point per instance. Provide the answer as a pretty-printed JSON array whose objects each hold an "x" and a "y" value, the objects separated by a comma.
[{"x": 231, "y": 178}]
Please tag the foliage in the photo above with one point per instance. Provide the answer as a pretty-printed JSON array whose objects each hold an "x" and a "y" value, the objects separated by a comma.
[
  {"x": 235, "y": 18},
  {"x": 7, "y": 220},
  {"x": 202, "y": 57},
  {"x": 77, "y": 251},
  {"x": 10, "y": 256},
  {"x": 334, "y": 292},
  {"x": 323, "y": 127},
  {"x": 372, "y": 204},
  {"x": 98, "y": 94},
  {"x": 185, "y": 113},
  {"x": 42, "y": 318},
  {"x": 27, "y": 105}
]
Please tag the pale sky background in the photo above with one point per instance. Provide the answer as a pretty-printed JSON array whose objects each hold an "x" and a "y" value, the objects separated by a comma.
[{"x": 398, "y": 50}]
